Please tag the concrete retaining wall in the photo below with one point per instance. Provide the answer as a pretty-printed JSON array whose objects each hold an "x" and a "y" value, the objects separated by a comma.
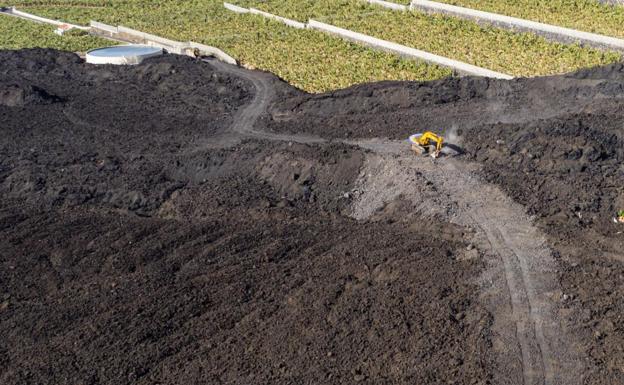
[
  {"x": 401, "y": 50},
  {"x": 289, "y": 22},
  {"x": 235, "y": 8},
  {"x": 138, "y": 37},
  {"x": 551, "y": 32},
  {"x": 412, "y": 53},
  {"x": 12, "y": 11},
  {"x": 390, "y": 5},
  {"x": 212, "y": 51},
  {"x": 129, "y": 35}
]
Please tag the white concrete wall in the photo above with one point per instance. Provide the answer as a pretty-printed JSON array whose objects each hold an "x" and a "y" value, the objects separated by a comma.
[
  {"x": 29, "y": 16},
  {"x": 176, "y": 47},
  {"x": 551, "y": 32},
  {"x": 412, "y": 53},
  {"x": 289, "y": 22},
  {"x": 235, "y": 8},
  {"x": 390, "y": 5},
  {"x": 460, "y": 67}
]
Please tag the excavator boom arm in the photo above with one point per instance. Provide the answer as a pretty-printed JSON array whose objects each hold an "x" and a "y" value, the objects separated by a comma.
[{"x": 429, "y": 136}]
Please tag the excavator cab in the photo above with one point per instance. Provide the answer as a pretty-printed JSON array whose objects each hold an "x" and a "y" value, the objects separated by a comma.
[{"x": 427, "y": 143}]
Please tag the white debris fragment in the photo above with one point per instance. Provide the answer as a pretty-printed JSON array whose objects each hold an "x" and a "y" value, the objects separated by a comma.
[{"x": 63, "y": 28}]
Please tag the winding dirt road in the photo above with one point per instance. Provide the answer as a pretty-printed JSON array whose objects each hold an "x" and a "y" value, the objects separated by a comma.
[
  {"x": 548, "y": 356},
  {"x": 521, "y": 284},
  {"x": 247, "y": 117}
]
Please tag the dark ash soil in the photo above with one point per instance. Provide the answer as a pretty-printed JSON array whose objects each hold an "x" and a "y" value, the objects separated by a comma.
[
  {"x": 554, "y": 144},
  {"x": 133, "y": 253}
]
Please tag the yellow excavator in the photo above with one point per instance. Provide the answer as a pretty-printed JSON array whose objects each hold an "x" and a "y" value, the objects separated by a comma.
[{"x": 422, "y": 144}]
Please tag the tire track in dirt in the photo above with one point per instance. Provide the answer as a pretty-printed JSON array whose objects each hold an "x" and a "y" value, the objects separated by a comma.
[
  {"x": 548, "y": 350},
  {"x": 545, "y": 350},
  {"x": 491, "y": 212},
  {"x": 245, "y": 120},
  {"x": 530, "y": 285}
]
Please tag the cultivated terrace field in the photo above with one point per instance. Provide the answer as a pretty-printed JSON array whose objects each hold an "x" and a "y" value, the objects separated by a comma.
[
  {"x": 18, "y": 33},
  {"x": 588, "y": 15},
  {"x": 308, "y": 59},
  {"x": 463, "y": 40}
]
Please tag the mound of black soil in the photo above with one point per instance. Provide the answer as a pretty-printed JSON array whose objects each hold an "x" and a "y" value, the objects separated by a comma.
[
  {"x": 567, "y": 171},
  {"x": 553, "y": 144},
  {"x": 140, "y": 245},
  {"x": 143, "y": 242},
  {"x": 397, "y": 109},
  {"x": 13, "y": 95},
  {"x": 112, "y": 134}
]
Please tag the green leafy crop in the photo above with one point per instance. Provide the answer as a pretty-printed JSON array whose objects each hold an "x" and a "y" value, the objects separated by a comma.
[
  {"x": 19, "y": 33},
  {"x": 519, "y": 54},
  {"x": 307, "y": 59},
  {"x": 587, "y": 15}
]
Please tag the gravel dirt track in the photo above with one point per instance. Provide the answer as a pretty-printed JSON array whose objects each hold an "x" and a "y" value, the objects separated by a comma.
[{"x": 186, "y": 222}]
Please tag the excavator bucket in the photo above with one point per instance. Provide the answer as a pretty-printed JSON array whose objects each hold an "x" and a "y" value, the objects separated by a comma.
[
  {"x": 425, "y": 150},
  {"x": 420, "y": 150}
]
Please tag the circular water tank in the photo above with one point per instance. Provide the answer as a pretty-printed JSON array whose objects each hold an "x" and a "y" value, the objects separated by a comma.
[{"x": 122, "y": 54}]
